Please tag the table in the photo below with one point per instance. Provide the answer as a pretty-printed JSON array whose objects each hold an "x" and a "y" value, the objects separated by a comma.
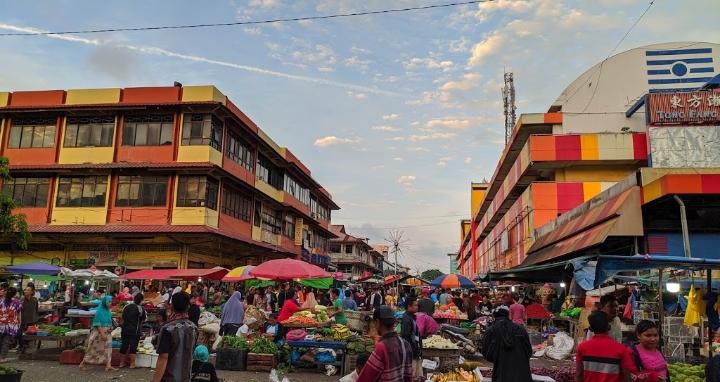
[
  {"x": 51, "y": 354},
  {"x": 338, "y": 346}
]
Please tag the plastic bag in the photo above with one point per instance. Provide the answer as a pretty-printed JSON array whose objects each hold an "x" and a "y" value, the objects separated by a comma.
[
  {"x": 217, "y": 342},
  {"x": 562, "y": 346},
  {"x": 207, "y": 318},
  {"x": 116, "y": 333},
  {"x": 274, "y": 377}
]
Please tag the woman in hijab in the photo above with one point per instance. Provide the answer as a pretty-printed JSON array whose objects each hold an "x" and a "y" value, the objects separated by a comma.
[
  {"x": 310, "y": 301},
  {"x": 507, "y": 346},
  {"x": 232, "y": 314},
  {"x": 99, "y": 347}
]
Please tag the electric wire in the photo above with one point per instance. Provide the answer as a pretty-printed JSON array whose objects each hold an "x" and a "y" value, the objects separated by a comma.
[{"x": 251, "y": 22}]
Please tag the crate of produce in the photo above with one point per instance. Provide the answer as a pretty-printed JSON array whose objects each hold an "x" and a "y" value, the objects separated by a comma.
[
  {"x": 260, "y": 362},
  {"x": 72, "y": 357}
]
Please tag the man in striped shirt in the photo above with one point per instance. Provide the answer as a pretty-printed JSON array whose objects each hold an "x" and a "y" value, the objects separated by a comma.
[
  {"x": 391, "y": 361},
  {"x": 601, "y": 358}
]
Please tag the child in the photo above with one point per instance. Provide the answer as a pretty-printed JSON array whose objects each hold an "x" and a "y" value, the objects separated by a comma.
[
  {"x": 202, "y": 370},
  {"x": 361, "y": 360}
]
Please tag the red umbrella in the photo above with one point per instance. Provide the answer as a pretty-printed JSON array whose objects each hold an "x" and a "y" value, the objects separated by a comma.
[{"x": 287, "y": 269}]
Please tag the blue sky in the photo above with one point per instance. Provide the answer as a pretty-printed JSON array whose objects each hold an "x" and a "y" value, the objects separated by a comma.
[{"x": 395, "y": 114}]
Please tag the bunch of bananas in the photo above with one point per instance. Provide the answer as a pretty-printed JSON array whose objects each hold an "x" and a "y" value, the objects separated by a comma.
[
  {"x": 457, "y": 375},
  {"x": 340, "y": 332}
]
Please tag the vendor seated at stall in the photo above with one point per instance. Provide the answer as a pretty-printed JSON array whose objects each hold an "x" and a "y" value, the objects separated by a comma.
[{"x": 270, "y": 327}]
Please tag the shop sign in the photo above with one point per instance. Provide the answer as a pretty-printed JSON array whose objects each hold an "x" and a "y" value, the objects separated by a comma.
[{"x": 684, "y": 108}]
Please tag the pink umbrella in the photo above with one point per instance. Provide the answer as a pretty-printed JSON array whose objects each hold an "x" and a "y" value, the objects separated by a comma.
[{"x": 287, "y": 269}]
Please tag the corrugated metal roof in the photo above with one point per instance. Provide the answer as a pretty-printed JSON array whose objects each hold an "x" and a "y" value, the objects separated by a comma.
[{"x": 112, "y": 165}]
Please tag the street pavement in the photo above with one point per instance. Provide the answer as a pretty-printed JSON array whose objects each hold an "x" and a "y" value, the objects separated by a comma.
[{"x": 47, "y": 371}]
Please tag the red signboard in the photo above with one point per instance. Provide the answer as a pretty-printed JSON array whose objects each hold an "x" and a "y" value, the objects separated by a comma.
[{"x": 699, "y": 107}]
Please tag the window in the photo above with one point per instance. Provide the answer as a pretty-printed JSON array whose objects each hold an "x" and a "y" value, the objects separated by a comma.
[
  {"x": 239, "y": 152},
  {"x": 89, "y": 131},
  {"x": 319, "y": 241},
  {"x": 141, "y": 191},
  {"x": 202, "y": 129},
  {"x": 319, "y": 210},
  {"x": 269, "y": 173},
  {"x": 37, "y": 132},
  {"x": 348, "y": 248},
  {"x": 197, "y": 191},
  {"x": 82, "y": 191},
  {"x": 148, "y": 130},
  {"x": 289, "y": 226},
  {"x": 28, "y": 192},
  {"x": 270, "y": 221},
  {"x": 236, "y": 204},
  {"x": 334, "y": 248},
  {"x": 299, "y": 192}
]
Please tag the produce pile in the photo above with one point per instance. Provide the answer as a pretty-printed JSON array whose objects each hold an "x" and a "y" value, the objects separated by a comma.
[
  {"x": 438, "y": 342},
  {"x": 455, "y": 375},
  {"x": 233, "y": 342},
  {"x": 54, "y": 330},
  {"x": 357, "y": 344},
  {"x": 145, "y": 348},
  {"x": 118, "y": 308},
  {"x": 262, "y": 345},
  {"x": 9, "y": 370},
  {"x": 684, "y": 372},
  {"x": 321, "y": 314},
  {"x": 571, "y": 312},
  {"x": 301, "y": 318},
  {"x": 216, "y": 310},
  {"x": 559, "y": 374},
  {"x": 449, "y": 312}
]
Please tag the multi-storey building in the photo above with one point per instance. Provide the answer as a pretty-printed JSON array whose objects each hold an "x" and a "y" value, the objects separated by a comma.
[
  {"x": 584, "y": 177},
  {"x": 155, "y": 177},
  {"x": 354, "y": 256}
]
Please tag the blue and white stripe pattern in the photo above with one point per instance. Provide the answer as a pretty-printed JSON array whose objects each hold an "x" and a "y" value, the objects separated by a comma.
[{"x": 679, "y": 69}]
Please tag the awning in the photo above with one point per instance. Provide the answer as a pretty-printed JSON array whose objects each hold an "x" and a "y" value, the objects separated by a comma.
[
  {"x": 216, "y": 273},
  {"x": 588, "y": 225},
  {"x": 609, "y": 266},
  {"x": 34, "y": 269},
  {"x": 531, "y": 274}
]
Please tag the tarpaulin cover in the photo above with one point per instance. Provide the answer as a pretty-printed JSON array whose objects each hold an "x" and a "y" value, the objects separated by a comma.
[
  {"x": 609, "y": 266},
  {"x": 325, "y": 283},
  {"x": 169, "y": 274},
  {"x": 34, "y": 268}
]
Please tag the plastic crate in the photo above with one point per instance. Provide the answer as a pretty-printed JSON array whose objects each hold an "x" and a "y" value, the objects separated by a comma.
[{"x": 675, "y": 330}]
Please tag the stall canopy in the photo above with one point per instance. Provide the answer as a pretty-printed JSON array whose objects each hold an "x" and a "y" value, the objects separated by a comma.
[
  {"x": 588, "y": 225},
  {"x": 452, "y": 281},
  {"x": 238, "y": 274},
  {"x": 288, "y": 269},
  {"x": 609, "y": 266},
  {"x": 34, "y": 269},
  {"x": 216, "y": 273},
  {"x": 88, "y": 274}
]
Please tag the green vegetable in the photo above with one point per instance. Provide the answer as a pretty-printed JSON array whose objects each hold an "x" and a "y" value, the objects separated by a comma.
[
  {"x": 264, "y": 345},
  {"x": 8, "y": 370},
  {"x": 233, "y": 342}
]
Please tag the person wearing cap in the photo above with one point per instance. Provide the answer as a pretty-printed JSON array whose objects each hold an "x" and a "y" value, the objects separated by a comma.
[
  {"x": 391, "y": 361},
  {"x": 202, "y": 369},
  {"x": 507, "y": 346}
]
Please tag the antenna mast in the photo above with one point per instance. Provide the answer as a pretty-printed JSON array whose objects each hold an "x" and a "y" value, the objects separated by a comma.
[{"x": 508, "y": 95}]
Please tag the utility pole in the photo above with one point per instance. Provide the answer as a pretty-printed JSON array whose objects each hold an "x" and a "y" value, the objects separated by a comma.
[
  {"x": 396, "y": 242},
  {"x": 508, "y": 96}
]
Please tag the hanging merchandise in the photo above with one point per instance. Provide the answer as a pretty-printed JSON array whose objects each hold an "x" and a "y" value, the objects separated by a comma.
[
  {"x": 692, "y": 314},
  {"x": 628, "y": 313}
]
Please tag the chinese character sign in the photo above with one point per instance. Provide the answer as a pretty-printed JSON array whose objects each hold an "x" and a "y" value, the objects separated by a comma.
[{"x": 684, "y": 108}]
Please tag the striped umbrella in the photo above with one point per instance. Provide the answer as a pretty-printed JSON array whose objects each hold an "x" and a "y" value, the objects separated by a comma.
[
  {"x": 238, "y": 274},
  {"x": 452, "y": 281}
]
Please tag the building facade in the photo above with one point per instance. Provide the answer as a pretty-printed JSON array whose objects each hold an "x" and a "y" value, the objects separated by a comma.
[
  {"x": 154, "y": 177},
  {"x": 583, "y": 177},
  {"x": 354, "y": 257}
]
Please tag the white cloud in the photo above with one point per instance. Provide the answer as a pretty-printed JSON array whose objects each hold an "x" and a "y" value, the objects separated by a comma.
[
  {"x": 356, "y": 62},
  {"x": 390, "y": 117},
  {"x": 431, "y": 137},
  {"x": 428, "y": 63},
  {"x": 356, "y": 95},
  {"x": 458, "y": 46},
  {"x": 386, "y": 128},
  {"x": 151, "y": 50},
  {"x": 263, "y": 3},
  {"x": 468, "y": 160},
  {"x": 487, "y": 47},
  {"x": 331, "y": 140},
  {"x": 419, "y": 149},
  {"x": 442, "y": 162},
  {"x": 255, "y": 31},
  {"x": 406, "y": 180},
  {"x": 448, "y": 123},
  {"x": 468, "y": 81},
  {"x": 398, "y": 159},
  {"x": 357, "y": 49}
]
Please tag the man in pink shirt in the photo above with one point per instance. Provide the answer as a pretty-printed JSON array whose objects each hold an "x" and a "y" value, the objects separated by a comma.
[{"x": 518, "y": 314}]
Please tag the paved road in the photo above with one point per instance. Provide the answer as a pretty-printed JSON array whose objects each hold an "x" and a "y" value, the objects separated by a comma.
[{"x": 45, "y": 371}]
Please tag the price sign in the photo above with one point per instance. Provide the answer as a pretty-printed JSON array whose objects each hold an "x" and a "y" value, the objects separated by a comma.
[{"x": 429, "y": 364}]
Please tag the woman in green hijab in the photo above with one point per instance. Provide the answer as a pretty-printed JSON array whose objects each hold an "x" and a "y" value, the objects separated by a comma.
[{"x": 99, "y": 347}]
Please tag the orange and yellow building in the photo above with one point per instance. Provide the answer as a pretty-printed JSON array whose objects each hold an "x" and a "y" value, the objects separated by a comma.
[
  {"x": 155, "y": 177},
  {"x": 596, "y": 174}
]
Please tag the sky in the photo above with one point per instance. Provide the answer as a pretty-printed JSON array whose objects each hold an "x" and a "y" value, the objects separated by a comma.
[{"x": 395, "y": 114}]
